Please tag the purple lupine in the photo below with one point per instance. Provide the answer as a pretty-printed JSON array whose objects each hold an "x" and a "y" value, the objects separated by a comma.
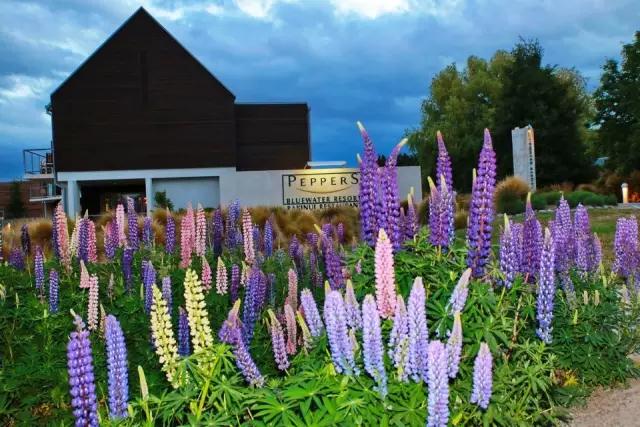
[
  {"x": 38, "y": 269},
  {"x": 293, "y": 247},
  {"x": 83, "y": 240},
  {"x": 300, "y": 259},
  {"x": 184, "y": 345},
  {"x": 595, "y": 253},
  {"x": 454, "y": 346},
  {"x": 117, "y": 368},
  {"x": 147, "y": 232},
  {"x": 167, "y": 294},
  {"x": 132, "y": 218},
  {"x": 392, "y": 196},
  {"x": 546, "y": 289},
  {"x": 148, "y": 281},
  {"x": 311, "y": 313},
  {"x": 437, "y": 384},
  {"x": 54, "y": 237},
  {"x": 111, "y": 240},
  {"x": 443, "y": 164},
  {"x": 340, "y": 232},
  {"x": 316, "y": 274},
  {"x": 368, "y": 191},
  {"x": 411, "y": 220},
  {"x": 217, "y": 232},
  {"x": 257, "y": 238},
  {"x": 582, "y": 235},
  {"x": 233, "y": 215},
  {"x": 380, "y": 202},
  {"x": 626, "y": 249},
  {"x": 332, "y": 264},
  {"x": 235, "y": 283},
  {"x": 268, "y": 238},
  {"x": 481, "y": 211},
  {"x": 81, "y": 378},
  {"x": 252, "y": 304},
  {"x": 441, "y": 215},
  {"x": 16, "y": 258},
  {"x": 328, "y": 230},
  {"x": 416, "y": 362},
  {"x": 531, "y": 244},
  {"x": 563, "y": 237},
  {"x": 399, "y": 337},
  {"x": 509, "y": 259},
  {"x": 170, "y": 234},
  {"x": 517, "y": 230},
  {"x": 53, "y": 291},
  {"x": 352, "y": 308},
  {"x": 127, "y": 267},
  {"x": 482, "y": 377},
  {"x": 312, "y": 239},
  {"x": 25, "y": 239},
  {"x": 459, "y": 295},
  {"x": 372, "y": 347},
  {"x": 335, "y": 319},
  {"x": 277, "y": 342}
]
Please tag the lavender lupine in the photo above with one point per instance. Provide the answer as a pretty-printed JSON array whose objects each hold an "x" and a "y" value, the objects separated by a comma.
[
  {"x": 416, "y": 362},
  {"x": 441, "y": 214},
  {"x": 116, "y": 368},
  {"x": 546, "y": 289},
  {"x": 127, "y": 267},
  {"x": 257, "y": 239},
  {"x": 167, "y": 293},
  {"x": 437, "y": 385},
  {"x": 380, "y": 202},
  {"x": 443, "y": 164},
  {"x": 277, "y": 342},
  {"x": 81, "y": 378},
  {"x": 252, "y": 304},
  {"x": 563, "y": 237},
  {"x": 217, "y": 232},
  {"x": 292, "y": 329},
  {"x": 235, "y": 282},
  {"x": 170, "y": 234},
  {"x": 38, "y": 269},
  {"x": 582, "y": 235},
  {"x": 372, "y": 347},
  {"x": 509, "y": 258},
  {"x": 459, "y": 295},
  {"x": 454, "y": 346},
  {"x": 531, "y": 243},
  {"x": 626, "y": 249},
  {"x": 481, "y": 211},
  {"x": 335, "y": 319},
  {"x": 268, "y": 238},
  {"x": 147, "y": 232},
  {"x": 132, "y": 218},
  {"x": 25, "y": 239},
  {"x": 482, "y": 377},
  {"x": 16, "y": 258},
  {"x": 53, "y": 291},
  {"x": 315, "y": 273},
  {"x": 184, "y": 345},
  {"x": 595, "y": 253},
  {"x": 399, "y": 338},
  {"x": 352, "y": 308},
  {"x": 368, "y": 190},
  {"x": 311, "y": 313}
]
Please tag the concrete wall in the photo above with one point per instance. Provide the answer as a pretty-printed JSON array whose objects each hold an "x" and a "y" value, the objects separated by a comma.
[{"x": 181, "y": 191}]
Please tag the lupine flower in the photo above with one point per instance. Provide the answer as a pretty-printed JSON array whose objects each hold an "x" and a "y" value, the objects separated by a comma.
[
  {"x": 84, "y": 276},
  {"x": 132, "y": 218},
  {"x": 92, "y": 311},
  {"x": 148, "y": 282},
  {"x": 311, "y": 313},
  {"x": 184, "y": 347},
  {"x": 342, "y": 351},
  {"x": 385, "y": 276},
  {"x": 83, "y": 239},
  {"x": 117, "y": 368},
  {"x": 443, "y": 164},
  {"x": 167, "y": 293},
  {"x": 410, "y": 220},
  {"x": 454, "y": 346},
  {"x": 231, "y": 333},
  {"x": 277, "y": 342},
  {"x": 459, "y": 295},
  {"x": 217, "y": 231},
  {"x": 314, "y": 271},
  {"x": 595, "y": 254},
  {"x": 437, "y": 385},
  {"x": 328, "y": 230},
  {"x": 292, "y": 296},
  {"x": 252, "y": 304},
  {"x": 103, "y": 320},
  {"x": 563, "y": 237},
  {"x": 626, "y": 249},
  {"x": 531, "y": 243},
  {"x": 221, "y": 278},
  {"x": 352, "y": 308},
  {"x": 482, "y": 209},
  {"x": 122, "y": 238},
  {"x": 399, "y": 338},
  {"x": 372, "y": 348},
  {"x": 53, "y": 291},
  {"x": 332, "y": 263},
  {"x": 517, "y": 230},
  {"x": 163, "y": 338},
  {"x": 207, "y": 275},
  {"x": 292, "y": 329},
  {"x": 92, "y": 249},
  {"x": 199, "y": 326},
  {"x": 235, "y": 282},
  {"x": 313, "y": 239},
  {"x": 187, "y": 237},
  {"x": 441, "y": 214},
  {"x": 38, "y": 269},
  {"x": 509, "y": 259},
  {"x": 482, "y": 377},
  {"x": 340, "y": 232},
  {"x": 293, "y": 246},
  {"x": 25, "y": 239},
  {"x": 232, "y": 219},
  {"x": 54, "y": 237},
  {"x": 200, "y": 243},
  {"x": 62, "y": 236},
  {"x": 16, "y": 258},
  {"x": 74, "y": 242},
  {"x": 110, "y": 240},
  {"x": 170, "y": 234},
  {"x": 582, "y": 230},
  {"x": 147, "y": 232},
  {"x": 268, "y": 238},
  {"x": 307, "y": 338},
  {"x": 546, "y": 289},
  {"x": 381, "y": 207},
  {"x": 368, "y": 190},
  {"x": 127, "y": 266},
  {"x": 257, "y": 238},
  {"x": 299, "y": 259},
  {"x": 247, "y": 235},
  {"x": 418, "y": 332},
  {"x": 81, "y": 378}
]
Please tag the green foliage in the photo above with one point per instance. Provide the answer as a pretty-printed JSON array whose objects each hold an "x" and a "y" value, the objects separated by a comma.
[
  {"x": 538, "y": 202},
  {"x": 510, "y": 195},
  {"x": 588, "y": 198},
  {"x": 551, "y": 198},
  {"x": 162, "y": 201},
  {"x": 15, "y": 208}
]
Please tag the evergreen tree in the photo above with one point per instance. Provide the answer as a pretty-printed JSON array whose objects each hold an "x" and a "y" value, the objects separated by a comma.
[{"x": 15, "y": 208}]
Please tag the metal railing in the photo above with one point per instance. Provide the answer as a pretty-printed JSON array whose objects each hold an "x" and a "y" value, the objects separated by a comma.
[
  {"x": 38, "y": 161},
  {"x": 43, "y": 190}
]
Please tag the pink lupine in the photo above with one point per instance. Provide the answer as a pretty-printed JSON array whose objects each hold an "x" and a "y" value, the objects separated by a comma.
[
  {"x": 206, "y": 275},
  {"x": 247, "y": 237},
  {"x": 292, "y": 297},
  {"x": 290, "y": 319},
  {"x": 85, "y": 281},
  {"x": 187, "y": 237},
  {"x": 93, "y": 251},
  {"x": 92, "y": 311},
  {"x": 201, "y": 232},
  {"x": 122, "y": 237},
  {"x": 385, "y": 276},
  {"x": 62, "y": 237},
  {"x": 221, "y": 278}
]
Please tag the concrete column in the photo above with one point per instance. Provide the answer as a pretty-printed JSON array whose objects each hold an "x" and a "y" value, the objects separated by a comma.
[
  {"x": 73, "y": 199},
  {"x": 148, "y": 190}
]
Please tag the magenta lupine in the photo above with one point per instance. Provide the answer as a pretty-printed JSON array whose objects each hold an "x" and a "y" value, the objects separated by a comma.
[
  {"x": 335, "y": 319},
  {"x": 247, "y": 236},
  {"x": 167, "y": 293},
  {"x": 53, "y": 291},
  {"x": 25, "y": 239},
  {"x": 454, "y": 346},
  {"x": 116, "y": 368},
  {"x": 509, "y": 259},
  {"x": 292, "y": 329},
  {"x": 582, "y": 235},
  {"x": 292, "y": 295},
  {"x": 352, "y": 308},
  {"x": 372, "y": 347},
  {"x": 311, "y": 313},
  {"x": 546, "y": 289},
  {"x": 200, "y": 242},
  {"x": 392, "y": 196},
  {"x": 38, "y": 269},
  {"x": 122, "y": 237},
  {"x": 170, "y": 234},
  {"x": 92, "y": 311},
  {"x": 443, "y": 163},
  {"x": 206, "y": 275},
  {"x": 147, "y": 232},
  {"x": 221, "y": 278},
  {"x": 385, "y": 276},
  {"x": 626, "y": 249},
  {"x": 184, "y": 344},
  {"x": 481, "y": 211},
  {"x": 277, "y": 342},
  {"x": 482, "y": 377},
  {"x": 217, "y": 232},
  {"x": 531, "y": 243},
  {"x": 368, "y": 192},
  {"x": 235, "y": 282},
  {"x": 416, "y": 362},
  {"x": 459, "y": 295},
  {"x": 441, "y": 215},
  {"x": 187, "y": 237},
  {"x": 81, "y": 378},
  {"x": 437, "y": 385},
  {"x": 132, "y": 218}
]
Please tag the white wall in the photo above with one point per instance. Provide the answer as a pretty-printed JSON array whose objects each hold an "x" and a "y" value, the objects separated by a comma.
[{"x": 181, "y": 191}]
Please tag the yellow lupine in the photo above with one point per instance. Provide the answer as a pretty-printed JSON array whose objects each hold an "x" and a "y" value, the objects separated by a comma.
[
  {"x": 165, "y": 342},
  {"x": 201, "y": 336}
]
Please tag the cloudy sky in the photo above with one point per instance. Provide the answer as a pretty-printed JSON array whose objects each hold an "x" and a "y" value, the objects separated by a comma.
[{"x": 368, "y": 60}]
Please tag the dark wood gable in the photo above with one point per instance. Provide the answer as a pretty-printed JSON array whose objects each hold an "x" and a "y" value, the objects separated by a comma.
[{"x": 142, "y": 101}]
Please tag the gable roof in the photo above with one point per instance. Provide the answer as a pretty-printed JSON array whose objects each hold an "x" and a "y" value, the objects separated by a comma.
[{"x": 142, "y": 14}]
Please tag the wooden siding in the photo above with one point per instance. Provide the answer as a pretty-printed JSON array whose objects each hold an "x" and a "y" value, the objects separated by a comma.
[{"x": 32, "y": 209}]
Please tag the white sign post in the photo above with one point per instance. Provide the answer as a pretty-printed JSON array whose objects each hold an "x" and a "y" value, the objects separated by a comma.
[{"x": 524, "y": 155}]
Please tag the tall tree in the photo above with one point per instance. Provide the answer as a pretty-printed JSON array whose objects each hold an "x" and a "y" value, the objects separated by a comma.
[
  {"x": 15, "y": 208},
  {"x": 618, "y": 109}
]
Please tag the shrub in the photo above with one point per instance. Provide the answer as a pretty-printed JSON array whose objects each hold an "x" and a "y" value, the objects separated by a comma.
[
  {"x": 512, "y": 207},
  {"x": 552, "y": 197},
  {"x": 162, "y": 201},
  {"x": 593, "y": 200},
  {"x": 509, "y": 192},
  {"x": 610, "y": 200},
  {"x": 538, "y": 202}
]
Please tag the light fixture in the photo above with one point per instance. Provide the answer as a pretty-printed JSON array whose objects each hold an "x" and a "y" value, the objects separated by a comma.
[{"x": 625, "y": 193}]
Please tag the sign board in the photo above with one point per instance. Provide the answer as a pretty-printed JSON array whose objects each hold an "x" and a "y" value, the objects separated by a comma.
[
  {"x": 524, "y": 155},
  {"x": 318, "y": 189}
]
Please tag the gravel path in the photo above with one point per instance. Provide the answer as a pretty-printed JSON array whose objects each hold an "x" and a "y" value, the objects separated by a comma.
[{"x": 613, "y": 407}]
